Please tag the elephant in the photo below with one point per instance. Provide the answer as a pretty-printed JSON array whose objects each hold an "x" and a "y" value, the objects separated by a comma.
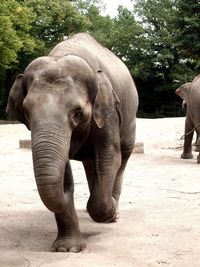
[
  {"x": 190, "y": 93},
  {"x": 80, "y": 103}
]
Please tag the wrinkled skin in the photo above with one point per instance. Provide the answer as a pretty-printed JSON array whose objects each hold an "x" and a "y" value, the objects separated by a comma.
[
  {"x": 80, "y": 103},
  {"x": 190, "y": 93}
]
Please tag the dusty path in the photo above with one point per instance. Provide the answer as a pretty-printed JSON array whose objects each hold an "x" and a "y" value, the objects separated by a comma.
[{"x": 159, "y": 208}]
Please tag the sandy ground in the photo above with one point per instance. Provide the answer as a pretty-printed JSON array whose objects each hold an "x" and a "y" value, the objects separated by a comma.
[{"x": 159, "y": 207}]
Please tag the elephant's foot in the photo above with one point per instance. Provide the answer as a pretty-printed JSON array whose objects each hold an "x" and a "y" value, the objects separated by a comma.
[
  {"x": 102, "y": 212},
  {"x": 68, "y": 244},
  {"x": 198, "y": 159},
  {"x": 187, "y": 156},
  {"x": 116, "y": 216},
  {"x": 114, "y": 219}
]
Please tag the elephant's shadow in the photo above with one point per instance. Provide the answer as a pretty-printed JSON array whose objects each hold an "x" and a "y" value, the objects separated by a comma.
[{"x": 36, "y": 230}]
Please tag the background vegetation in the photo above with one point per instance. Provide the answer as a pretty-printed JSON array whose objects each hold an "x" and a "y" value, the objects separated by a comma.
[{"x": 158, "y": 41}]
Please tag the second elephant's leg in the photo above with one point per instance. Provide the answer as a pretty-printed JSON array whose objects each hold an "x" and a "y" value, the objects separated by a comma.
[
  {"x": 187, "y": 147},
  {"x": 198, "y": 146},
  {"x": 196, "y": 142},
  {"x": 69, "y": 237}
]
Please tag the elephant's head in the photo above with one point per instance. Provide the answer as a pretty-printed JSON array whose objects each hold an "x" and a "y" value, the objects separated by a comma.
[{"x": 55, "y": 98}]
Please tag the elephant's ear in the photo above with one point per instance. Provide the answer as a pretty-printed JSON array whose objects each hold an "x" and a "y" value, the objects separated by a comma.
[
  {"x": 15, "y": 101},
  {"x": 105, "y": 100},
  {"x": 183, "y": 91}
]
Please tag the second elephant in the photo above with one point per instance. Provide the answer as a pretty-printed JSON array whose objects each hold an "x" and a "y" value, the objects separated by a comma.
[{"x": 190, "y": 93}]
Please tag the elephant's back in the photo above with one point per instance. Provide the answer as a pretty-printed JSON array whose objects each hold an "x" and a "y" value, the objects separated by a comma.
[
  {"x": 194, "y": 100},
  {"x": 194, "y": 94},
  {"x": 98, "y": 57}
]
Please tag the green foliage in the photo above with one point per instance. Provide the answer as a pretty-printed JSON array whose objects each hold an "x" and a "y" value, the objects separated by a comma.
[
  {"x": 84, "y": 5},
  {"x": 101, "y": 27},
  {"x": 157, "y": 20},
  {"x": 188, "y": 22},
  {"x": 128, "y": 39},
  {"x": 15, "y": 23},
  {"x": 164, "y": 67},
  {"x": 8, "y": 46}
]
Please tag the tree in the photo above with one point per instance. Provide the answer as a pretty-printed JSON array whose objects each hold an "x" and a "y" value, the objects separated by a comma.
[
  {"x": 15, "y": 23},
  {"x": 128, "y": 39},
  {"x": 163, "y": 67},
  {"x": 84, "y": 5},
  {"x": 101, "y": 27},
  {"x": 188, "y": 21}
]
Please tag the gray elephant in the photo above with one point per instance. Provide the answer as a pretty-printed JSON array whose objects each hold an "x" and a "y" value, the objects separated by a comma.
[
  {"x": 190, "y": 93},
  {"x": 80, "y": 103}
]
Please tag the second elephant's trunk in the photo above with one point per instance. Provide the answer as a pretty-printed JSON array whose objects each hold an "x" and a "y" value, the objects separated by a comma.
[{"x": 50, "y": 150}]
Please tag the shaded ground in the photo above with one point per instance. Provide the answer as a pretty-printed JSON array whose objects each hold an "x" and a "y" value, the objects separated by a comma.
[{"x": 159, "y": 207}]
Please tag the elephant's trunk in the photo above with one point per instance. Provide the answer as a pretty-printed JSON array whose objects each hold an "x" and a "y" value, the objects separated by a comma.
[{"x": 50, "y": 153}]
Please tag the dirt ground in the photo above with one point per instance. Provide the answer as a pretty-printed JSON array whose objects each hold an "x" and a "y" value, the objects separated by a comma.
[{"x": 159, "y": 207}]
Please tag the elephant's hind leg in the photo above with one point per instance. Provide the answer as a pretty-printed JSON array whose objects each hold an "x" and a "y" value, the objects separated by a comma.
[
  {"x": 118, "y": 185},
  {"x": 119, "y": 177},
  {"x": 198, "y": 147}
]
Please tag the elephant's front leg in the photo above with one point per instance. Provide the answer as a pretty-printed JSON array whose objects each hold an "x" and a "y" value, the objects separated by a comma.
[
  {"x": 187, "y": 147},
  {"x": 101, "y": 205},
  {"x": 69, "y": 237}
]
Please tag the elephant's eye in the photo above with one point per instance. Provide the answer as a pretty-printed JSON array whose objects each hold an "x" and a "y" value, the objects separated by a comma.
[{"x": 78, "y": 115}]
